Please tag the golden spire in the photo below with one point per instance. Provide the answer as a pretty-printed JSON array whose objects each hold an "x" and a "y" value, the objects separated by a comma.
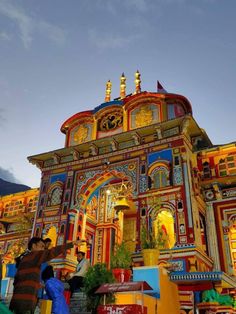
[
  {"x": 137, "y": 82},
  {"x": 122, "y": 86},
  {"x": 108, "y": 91}
]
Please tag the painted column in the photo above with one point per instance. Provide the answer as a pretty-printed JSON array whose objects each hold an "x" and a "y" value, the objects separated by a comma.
[
  {"x": 212, "y": 237},
  {"x": 84, "y": 226},
  {"x": 71, "y": 226},
  {"x": 187, "y": 190}
]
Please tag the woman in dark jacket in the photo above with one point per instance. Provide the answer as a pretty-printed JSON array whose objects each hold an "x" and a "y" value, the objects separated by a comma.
[{"x": 55, "y": 291}]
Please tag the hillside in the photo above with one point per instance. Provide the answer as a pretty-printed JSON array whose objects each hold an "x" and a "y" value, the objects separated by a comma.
[{"x": 10, "y": 188}]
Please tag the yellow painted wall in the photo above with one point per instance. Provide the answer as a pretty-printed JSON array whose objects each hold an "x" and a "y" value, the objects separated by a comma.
[
  {"x": 137, "y": 297},
  {"x": 169, "y": 296}
]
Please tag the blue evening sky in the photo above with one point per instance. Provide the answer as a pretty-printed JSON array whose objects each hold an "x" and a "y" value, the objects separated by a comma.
[{"x": 56, "y": 56}]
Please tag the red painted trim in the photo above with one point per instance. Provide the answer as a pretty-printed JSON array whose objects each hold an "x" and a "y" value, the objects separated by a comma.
[
  {"x": 79, "y": 115},
  {"x": 195, "y": 287}
]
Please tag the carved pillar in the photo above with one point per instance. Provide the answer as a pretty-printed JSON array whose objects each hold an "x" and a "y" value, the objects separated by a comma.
[{"x": 212, "y": 237}]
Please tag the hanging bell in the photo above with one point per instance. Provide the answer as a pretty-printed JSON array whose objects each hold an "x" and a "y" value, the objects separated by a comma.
[{"x": 121, "y": 204}]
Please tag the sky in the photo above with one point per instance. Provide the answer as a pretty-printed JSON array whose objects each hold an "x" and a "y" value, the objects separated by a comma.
[{"x": 56, "y": 56}]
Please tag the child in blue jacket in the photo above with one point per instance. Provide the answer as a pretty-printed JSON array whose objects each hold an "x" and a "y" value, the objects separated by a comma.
[{"x": 55, "y": 291}]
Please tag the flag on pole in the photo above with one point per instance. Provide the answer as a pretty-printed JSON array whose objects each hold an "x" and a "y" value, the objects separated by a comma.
[{"x": 160, "y": 88}]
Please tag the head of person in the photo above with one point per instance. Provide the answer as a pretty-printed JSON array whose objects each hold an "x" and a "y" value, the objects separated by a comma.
[
  {"x": 36, "y": 244},
  {"x": 47, "y": 243},
  {"x": 80, "y": 256},
  {"x": 47, "y": 273}
]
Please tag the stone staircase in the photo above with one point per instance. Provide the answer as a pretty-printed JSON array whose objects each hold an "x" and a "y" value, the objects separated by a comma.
[{"x": 78, "y": 303}]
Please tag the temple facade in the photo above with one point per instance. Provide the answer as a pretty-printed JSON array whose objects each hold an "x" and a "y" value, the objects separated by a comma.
[{"x": 142, "y": 160}]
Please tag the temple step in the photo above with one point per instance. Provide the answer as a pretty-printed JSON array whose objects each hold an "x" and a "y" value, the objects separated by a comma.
[{"x": 78, "y": 303}]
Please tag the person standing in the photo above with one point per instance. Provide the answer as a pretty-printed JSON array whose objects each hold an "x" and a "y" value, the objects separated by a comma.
[
  {"x": 75, "y": 279},
  {"x": 27, "y": 278},
  {"x": 55, "y": 291}
]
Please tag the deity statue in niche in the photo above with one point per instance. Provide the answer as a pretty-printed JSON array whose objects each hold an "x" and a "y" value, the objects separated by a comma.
[
  {"x": 92, "y": 206},
  {"x": 81, "y": 134},
  {"x": 143, "y": 117}
]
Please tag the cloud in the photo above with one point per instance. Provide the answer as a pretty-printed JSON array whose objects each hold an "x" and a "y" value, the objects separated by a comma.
[
  {"x": 53, "y": 32},
  {"x": 103, "y": 41},
  {"x": 7, "y": 175},
  {"x": 139, "y": 5},
  {"x": 24, "y": 22},
  {"x": 28, "y": 25},
  {"x": 4, "y": 36}
]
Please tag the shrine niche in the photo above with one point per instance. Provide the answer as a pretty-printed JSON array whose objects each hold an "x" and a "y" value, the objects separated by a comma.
[
  {"x": 92, "y": 207},
  {"x": 164, "y": 222}
]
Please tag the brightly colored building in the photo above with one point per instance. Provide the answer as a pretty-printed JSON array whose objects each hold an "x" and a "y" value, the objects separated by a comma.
[
  {"x": 17, "y": 213},
  {"x": 145, "y": 151}
]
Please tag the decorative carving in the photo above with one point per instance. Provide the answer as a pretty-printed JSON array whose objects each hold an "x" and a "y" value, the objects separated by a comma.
[
  {"x": 185, "y": 125},
  {"x": 75, "y": 154},
  {"x": 114, "y": 145},
  {"x": 143, "y": 117},
  {"x": 81, "y": 134},
  {"x": 159, "y": 132},
  {"x": 93, "y": 150},
  {"x": 136, "y": 139},
  {"x": 111, "y": 121},
  {"x": 56, "y": 159}
]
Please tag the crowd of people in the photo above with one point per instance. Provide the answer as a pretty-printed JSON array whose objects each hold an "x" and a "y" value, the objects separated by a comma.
[{"x": 35, "y": 279}]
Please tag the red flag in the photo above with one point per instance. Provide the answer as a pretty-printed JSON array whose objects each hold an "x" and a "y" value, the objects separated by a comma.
[{"x": 160, "y": 88}]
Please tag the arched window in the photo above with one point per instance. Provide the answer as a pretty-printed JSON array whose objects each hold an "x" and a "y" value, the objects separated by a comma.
[
  {"x": 159, "y": 175},
  {"x": 160, "y": 178},
  {"x": 55, "y": 196}
]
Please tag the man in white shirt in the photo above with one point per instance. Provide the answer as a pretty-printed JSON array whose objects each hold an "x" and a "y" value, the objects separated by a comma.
[{"x": 75, "y": 279}]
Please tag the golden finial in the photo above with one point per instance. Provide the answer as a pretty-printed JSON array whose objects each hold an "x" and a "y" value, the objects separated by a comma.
[
  {"x": 137, "y": 82},
  {"x": 122, "y": 86},
  {"x": 108, "y": 91}
]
